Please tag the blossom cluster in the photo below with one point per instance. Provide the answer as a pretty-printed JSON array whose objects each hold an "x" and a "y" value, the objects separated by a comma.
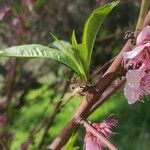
[
  {"x": 137, "y": 63},
  {"x": 92, "y": 142}
]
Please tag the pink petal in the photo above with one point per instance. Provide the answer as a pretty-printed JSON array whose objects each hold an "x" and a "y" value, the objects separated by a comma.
[
  {"x": 131, "y": 54},
  {"x": 133, "y": 78},
  {"x": 91, "y": 145},
  {"x": 131, "y": 94},
  {"x": 103, "y": 125},
  {"x": 92, "y": 142},
  {"x": 144, "y": 35}
]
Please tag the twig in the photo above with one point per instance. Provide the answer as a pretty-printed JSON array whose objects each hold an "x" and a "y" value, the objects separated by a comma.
[
  {"x": 49, "y": 122},
  {"x": 109, "y": 37},
  {"x": 3, "y": 144},
  {"x": 112, "y": 89},
  {"x": 9, "y": 94},
  {"x": 101, "y": 69},
  {"x": 57, "y": 110},
  {"x": 97, "y": 134}
]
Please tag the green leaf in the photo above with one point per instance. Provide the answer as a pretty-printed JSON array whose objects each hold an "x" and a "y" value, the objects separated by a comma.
[
  {"x": 63, "y": 46},
  {"x": 67, "y": 49},
  {"x": 73, "y": 39},
  {"x": 39, "y": 51},
  {"x": 71, "y": 142},
  {"x": 91, "y": 28}
]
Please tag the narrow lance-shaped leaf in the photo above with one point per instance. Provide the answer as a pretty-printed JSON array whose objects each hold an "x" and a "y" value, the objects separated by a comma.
[
  {"x": 92, "y": 26},
  {"x": 67, "y": 49},
  {"x": 73, "y": 39},
  {"x": 39, "y": 51},
  {"x": 90, "y": 31},
  {"x": 62, "y": 46}
]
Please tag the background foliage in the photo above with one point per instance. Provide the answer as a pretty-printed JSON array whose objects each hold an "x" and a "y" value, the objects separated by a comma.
[{"x": 36, "y": 89}]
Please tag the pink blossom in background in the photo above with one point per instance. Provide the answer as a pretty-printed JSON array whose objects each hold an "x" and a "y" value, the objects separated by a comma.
[
  {"x": 138, "y": 78},
  {"x": 4, "y": 11},
  {"x": 92, "y": 142}
]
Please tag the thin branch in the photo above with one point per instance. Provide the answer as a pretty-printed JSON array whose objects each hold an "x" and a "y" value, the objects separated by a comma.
[
  {"x": 3, "y": 144},
  {"x": 101, "y": 69},
  {"x": 10, "y": 83},
  {"x": 109, "y": 37},
  {"x": 56, "y": 111},
  {"x": 97, "y": 134},
  {"x": 110, "y": 91},
  {"x": 49, "y": 122}
]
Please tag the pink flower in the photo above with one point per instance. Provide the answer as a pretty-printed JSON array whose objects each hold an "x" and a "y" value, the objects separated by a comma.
[
  {"x": 4, "y": 11},
  {"x": 140, "y": 54},
  {"x": 137, "y": 85},
  {"x": 138, "y": 76},
  {"x": 92, "y": 142},
  {"x": 144, "y": 36}
]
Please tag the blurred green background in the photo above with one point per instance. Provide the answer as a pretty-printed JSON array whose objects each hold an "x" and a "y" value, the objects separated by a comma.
[{"x": 38, "y": 84}]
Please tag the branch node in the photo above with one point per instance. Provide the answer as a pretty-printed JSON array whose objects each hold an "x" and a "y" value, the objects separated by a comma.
[{"x": 78, "y": 120}]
